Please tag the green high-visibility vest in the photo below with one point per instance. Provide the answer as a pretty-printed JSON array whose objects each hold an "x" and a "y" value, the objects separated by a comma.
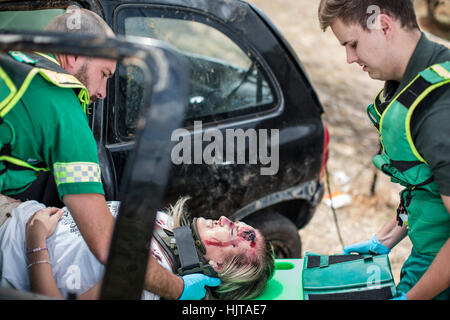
[
  {"x": 421, "y": 207},
  {"x": 17, "y": 70}
]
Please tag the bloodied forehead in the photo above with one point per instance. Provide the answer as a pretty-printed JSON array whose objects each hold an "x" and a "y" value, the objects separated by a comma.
[{"x": 251, "y": 235}]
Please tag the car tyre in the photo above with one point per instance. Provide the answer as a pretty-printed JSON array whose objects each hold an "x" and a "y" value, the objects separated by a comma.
[{"x": 280, "y": 231}]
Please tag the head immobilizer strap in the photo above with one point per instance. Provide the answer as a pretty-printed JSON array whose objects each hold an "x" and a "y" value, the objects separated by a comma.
[
  {"x": 188, "y": 254},
  {"x": 187, "y": 250}
]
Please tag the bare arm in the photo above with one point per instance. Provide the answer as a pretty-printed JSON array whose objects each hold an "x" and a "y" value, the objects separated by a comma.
[
  {"x": 157, "y": 280},
  {"x": 391, "y": 233},
  {"x": 437, "y": 277},
  {"x": 38, "y": 229},
  {"x": 40, "y": 226},
  {"x": 94, "y": 220},
  {"x": 161, "y": 281},
  {"x": 446, "y": 200}
]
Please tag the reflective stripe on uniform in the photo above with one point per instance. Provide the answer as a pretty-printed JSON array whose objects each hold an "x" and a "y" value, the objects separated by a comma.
[
  {"x": 74, "y": 172},
  {"x": 9, "y": 89},
  {"x": 440, "y": 70},
  {"x": 20, "y": 163}
]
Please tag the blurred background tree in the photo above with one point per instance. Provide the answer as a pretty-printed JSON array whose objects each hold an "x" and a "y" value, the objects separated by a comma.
[
  {"x": 434, "y": 17},
  {"x": 439, "y": 12}
]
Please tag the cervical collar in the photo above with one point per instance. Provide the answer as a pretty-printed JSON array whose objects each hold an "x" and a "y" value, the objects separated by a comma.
[{"x": 185, "y": 248}]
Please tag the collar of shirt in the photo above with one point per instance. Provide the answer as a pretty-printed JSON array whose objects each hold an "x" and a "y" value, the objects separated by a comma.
[{"x": 421, "y": 58}]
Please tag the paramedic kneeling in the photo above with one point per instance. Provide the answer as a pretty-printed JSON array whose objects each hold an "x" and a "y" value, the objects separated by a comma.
[
  {"x": 412, "y": 116},
  {"x": 47, "y": 115}
]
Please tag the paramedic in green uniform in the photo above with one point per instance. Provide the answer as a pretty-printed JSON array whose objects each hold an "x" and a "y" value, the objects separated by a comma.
[
  {"x": 44, "y": 128},
  {"x": 412, "y": 115}
]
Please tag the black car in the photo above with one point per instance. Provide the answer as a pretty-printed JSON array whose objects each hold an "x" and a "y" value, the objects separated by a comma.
[{"x": 252, "y": 146}]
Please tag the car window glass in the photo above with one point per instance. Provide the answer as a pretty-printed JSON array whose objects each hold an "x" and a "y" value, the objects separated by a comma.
[
  {"x": 226, "y": 80},
  {"x": 191, "y": 38},
  {"x": 129, "y": 96},
  {"x": 27, "y": 20}
]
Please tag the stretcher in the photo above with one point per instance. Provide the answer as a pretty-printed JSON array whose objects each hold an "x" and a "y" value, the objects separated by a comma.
[
  {"x": 286, "y": 283},
  {"x": 334, "y": 277}
]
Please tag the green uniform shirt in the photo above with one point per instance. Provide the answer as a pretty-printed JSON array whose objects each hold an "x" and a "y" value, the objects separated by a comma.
[
  {"x": 51, "y": 127},
  {"x": 430, "y": 125}
]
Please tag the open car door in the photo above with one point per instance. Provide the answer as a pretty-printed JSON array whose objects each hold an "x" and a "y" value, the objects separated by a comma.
[{"x": 158, "y": 73}]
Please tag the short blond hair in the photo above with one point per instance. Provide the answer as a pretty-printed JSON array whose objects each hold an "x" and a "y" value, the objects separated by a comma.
[{"x": 87, "y": 22}]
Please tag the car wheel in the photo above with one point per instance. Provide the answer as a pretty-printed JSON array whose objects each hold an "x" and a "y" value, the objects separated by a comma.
[{"x": 280, "y": 231}]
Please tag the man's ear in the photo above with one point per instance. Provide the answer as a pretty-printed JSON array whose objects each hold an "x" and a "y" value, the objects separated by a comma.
[
  {"x": 386, "y": 25},
  {"x": 71, "y": 60},
  {"x": 71, "y": 63}
]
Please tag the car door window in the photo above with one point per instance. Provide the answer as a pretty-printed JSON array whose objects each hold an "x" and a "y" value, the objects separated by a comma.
[
  {"x": 27, "y": 20},
  {"x": 129, "y": 94},
  {"x": 226, "y": 79}
]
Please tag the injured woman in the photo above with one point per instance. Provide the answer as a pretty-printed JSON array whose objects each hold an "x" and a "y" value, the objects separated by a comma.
[{"x": 43, "y": 251}]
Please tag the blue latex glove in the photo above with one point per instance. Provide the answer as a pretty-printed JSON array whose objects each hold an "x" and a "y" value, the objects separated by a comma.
[
  {"x": 372, "y": 246},
  {"x": 400, "y": 297},
  {"x": 194, "y": 286}
]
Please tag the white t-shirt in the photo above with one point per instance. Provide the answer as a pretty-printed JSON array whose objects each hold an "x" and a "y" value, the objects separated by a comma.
[{"x": 74, "y": 266}]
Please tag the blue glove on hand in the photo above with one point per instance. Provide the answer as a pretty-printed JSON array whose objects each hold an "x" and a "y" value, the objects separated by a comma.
[
  {"x": 372, "y": 246},
  {"x": 400, "y": 297},
  {"x": 194, "y": 286}
]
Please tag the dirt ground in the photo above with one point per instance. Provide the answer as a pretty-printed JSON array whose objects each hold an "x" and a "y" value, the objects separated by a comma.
[{"x": 345, "y": 91}]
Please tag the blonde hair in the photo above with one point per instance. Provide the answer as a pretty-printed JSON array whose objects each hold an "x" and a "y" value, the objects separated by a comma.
[
  {"x": 243, "y": 277},
  {"x": 179, "y": 213}
]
